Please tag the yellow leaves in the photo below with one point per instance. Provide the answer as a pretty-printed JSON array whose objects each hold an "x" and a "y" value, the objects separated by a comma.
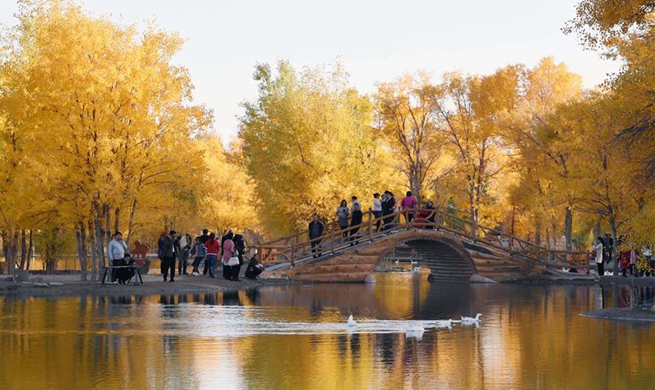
[{"x": 307, "y": 143}]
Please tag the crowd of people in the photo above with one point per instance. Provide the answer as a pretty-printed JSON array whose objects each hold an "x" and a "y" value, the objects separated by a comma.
[
  {"x": 349, "y": 218},
  {"x": 206, "y": 250},
  {"x": 633, "y": 260}
]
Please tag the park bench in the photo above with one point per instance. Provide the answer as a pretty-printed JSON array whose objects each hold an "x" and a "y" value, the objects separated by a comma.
[{"x": 138, "y": 256}]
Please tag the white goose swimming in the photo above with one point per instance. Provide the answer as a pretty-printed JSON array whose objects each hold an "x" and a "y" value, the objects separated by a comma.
[
  {"x": 351, "y": 321},
  {"x": 471, "y": 320}
]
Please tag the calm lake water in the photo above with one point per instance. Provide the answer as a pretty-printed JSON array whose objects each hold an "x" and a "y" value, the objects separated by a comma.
[{"x": 296, "y": 337}]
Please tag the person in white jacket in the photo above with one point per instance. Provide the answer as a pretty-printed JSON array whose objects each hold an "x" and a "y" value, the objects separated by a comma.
[
  {"x": 598, "y": 249},
  {"x": 116, "y": 251}
]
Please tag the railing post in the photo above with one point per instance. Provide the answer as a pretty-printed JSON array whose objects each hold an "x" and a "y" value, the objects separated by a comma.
[
  {"x": 370, "y": 227},
  {"x": 333, "y": 234},
  {"x": 259, "y": 254}
]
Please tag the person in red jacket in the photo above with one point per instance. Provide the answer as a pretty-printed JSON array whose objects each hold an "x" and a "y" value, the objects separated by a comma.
[{"x": 213, "y": 246}]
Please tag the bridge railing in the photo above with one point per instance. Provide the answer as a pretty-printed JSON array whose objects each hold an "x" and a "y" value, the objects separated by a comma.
[{"x": 298, "y": 246}]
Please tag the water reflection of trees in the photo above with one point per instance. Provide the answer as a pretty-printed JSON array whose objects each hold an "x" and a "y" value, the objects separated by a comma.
[{"x": 531, "y": 337}]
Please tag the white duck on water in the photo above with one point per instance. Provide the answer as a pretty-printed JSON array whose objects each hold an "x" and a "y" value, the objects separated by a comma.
[
  {"x": 351, "y": 321},
  {"x": 471, "y": 320}
]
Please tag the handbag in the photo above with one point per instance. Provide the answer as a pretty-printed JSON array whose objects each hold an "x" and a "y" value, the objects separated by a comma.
[{"x": 234, "y": 260}]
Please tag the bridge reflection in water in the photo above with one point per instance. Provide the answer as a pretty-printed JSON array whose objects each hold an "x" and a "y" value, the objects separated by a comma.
[{"x": 530, "y": 337}]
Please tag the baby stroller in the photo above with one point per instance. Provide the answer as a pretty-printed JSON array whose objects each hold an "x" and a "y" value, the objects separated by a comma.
[{"x": 254, "y": 268}]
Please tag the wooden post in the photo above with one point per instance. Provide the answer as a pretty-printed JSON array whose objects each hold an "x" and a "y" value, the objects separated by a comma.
[
  {"x": 370, "y": 227},
  {"x": 293, "y": 253},
  {"x": 332, "y": 242}
]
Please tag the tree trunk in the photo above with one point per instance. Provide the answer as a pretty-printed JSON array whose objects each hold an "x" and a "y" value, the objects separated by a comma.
[
  {"x": 473, "y": 211},
  {"x": 106, "y": 211},
  {"x": 6, "y": 250},
  {"x": 50, "y": 251},
  {"x": 548, "y": 238},
  {"x": 568, "y": 228},
  {"x": 117, "y": 214},
  {"x": 80, "y": 237},
  {"x": 615, "y": 257},
  {"x": 94, "y": 252},
  {"x": 14, "y": 251},
  {"x": 100, "y": 250},
  {"x": 23, "y": 249},
  {"x": 553, "y": 224},
  {"x": 130, "y": 226},
  {"x": 30, "y": 251},
  {"x": 537, "y": 232},
  {"x": 597, "y": 230}
]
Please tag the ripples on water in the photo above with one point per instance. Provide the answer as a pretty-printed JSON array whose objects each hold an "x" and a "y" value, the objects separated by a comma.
[{"x": 296, "y": 337}]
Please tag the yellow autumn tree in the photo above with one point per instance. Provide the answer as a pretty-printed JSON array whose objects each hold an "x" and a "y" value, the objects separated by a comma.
[
  {"x": 308, "y": 143},
  {"x": 108, "y": 116},
  {"x": 408, "y": 120},
  {"x": 472, "y": 111}
]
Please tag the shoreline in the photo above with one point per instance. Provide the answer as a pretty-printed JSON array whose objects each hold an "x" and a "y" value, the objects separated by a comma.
[
  {"x": 69, "y": 285},
  {"x": 622, "y": 315}
]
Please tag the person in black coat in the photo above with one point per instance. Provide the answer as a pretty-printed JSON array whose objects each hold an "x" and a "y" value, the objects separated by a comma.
[
  {"x": 355, "y": 221},
  {"x": 315, "y": 231},
  {"x": 169, "y": 251},
  {"x": 240, "y": 246},
  {"x": 388, "y": 208}
]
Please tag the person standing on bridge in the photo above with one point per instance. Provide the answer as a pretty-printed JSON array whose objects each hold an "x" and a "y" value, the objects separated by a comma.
[
  {"x": 355, "y": 221},
  {"x": 377, "y": 210},
  {"x": 357, "y": 203},
  {"x": 409, "y": 204},
  {"x": 315, "y": 232},
  {"x": 342, "y": 217},
  {"x": 388, "y": 208}
]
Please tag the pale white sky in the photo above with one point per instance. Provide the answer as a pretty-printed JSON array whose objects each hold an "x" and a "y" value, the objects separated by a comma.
[{"x": 377, "y": 40}]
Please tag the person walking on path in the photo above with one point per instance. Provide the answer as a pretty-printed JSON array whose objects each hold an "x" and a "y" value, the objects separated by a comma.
[
  {"x": 598, "y": 251},
  {"x": 228, "y": 252},
  {"x": 409, "y": 204},
  {"x": 198, "y": 252},
  {"x": 377, "y": 210},
  {"x": 342, "y": 217},
  {"x": 355, "y": 221},
  {"x": 213, "y": 246},
  {"x": 315, "y": 231},
  {"x": 171, "y": 250},
  {"x": 116, "y": 251}
]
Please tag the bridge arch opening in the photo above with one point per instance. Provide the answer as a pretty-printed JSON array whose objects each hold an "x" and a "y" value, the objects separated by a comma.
[{"x": 446, "y": 260}]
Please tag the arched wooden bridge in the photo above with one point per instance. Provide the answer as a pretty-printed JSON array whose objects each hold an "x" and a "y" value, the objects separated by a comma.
[{"x": 450, "y": 246}]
